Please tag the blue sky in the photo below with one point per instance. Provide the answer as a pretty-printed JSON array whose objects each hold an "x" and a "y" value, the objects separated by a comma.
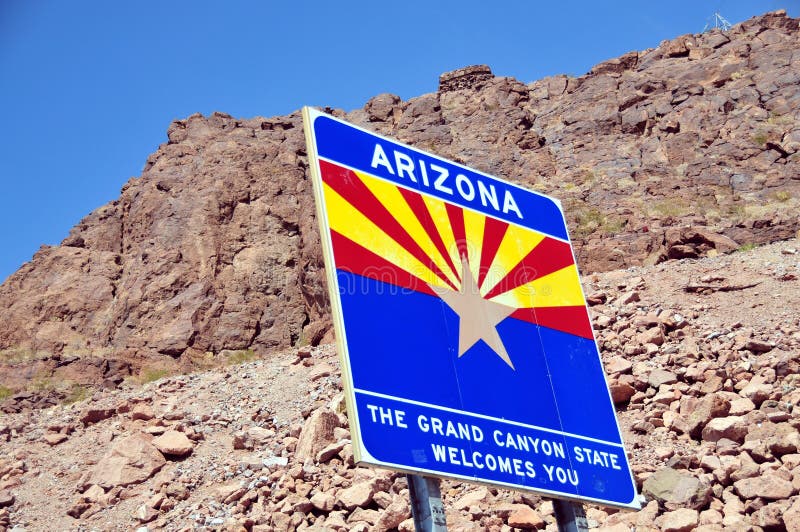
[{"x": 88, "y": 88}]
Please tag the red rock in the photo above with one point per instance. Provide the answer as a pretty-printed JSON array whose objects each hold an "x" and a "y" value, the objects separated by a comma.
[
  {"x": 621, "y": 392},
  {"x": 618, "y": 364},
  {"x": 229, "y": 491},
  {"x": 260, "y": 435},
  {"x": 676, "y": 489},
  {"x": 659, "y": 376},
  {"x": 770, "y": 517},
  {"x": 526, "y": 518},
  {"x": 142, "y": 411},
  {"x": 477, "y": 496},
  {"x": 323, "y": 501},
  {"x": 174, "y": 443},
  {"x": 390, "y": 518},
  {"x": 696, "y": 413},
  {"x": 94, "y": 494},
  {"x": 791, "y": 518},
  {"x": 757, "y": 346},
  {"x": 6, "y": 499},
  {"x": 130, "y": 461},
  {"x": 317, "y": 433},
  {"x": 357, "y": 495},
  {"x": 768, "y": 486},
  {"x": 145, "y": 514},
  {"x": 77, "y": 509},
  {"x": 239, "y": 440},
  {"x": 757, "y": 392},
  {"x": 630, "y": 297},
  {"x": 330, "y": 451},
  {"x": 464, "y": 78},
  {"x": 680, "y": 520},
  {"x": 596, "y": 298},
  {"x": 93, "y": 415},
  {"x": 54, "y": 438},
  {"x": 732, "y": 427},
  {"x": 741, "y": 406}
]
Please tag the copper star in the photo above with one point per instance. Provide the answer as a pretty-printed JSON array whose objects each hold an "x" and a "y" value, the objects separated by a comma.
[{"x": 478, "y": 317}]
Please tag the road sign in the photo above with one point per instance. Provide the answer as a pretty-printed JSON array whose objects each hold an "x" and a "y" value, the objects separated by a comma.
[{"x": 467, "y": 350}]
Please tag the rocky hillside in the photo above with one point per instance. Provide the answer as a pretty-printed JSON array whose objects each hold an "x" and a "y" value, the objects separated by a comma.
[
  {"x": 703, "y": 357},
  {"x": 684, "y": 150}
]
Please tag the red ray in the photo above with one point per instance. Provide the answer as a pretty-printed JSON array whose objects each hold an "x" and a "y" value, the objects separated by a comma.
[
  {"x": 572, "y": 320},
  {"x": 347, "y": 184},
  {"x": 493, "y": 232},
  {"x": 418, "y": 207},
  {"x": 456, "y": 216},
  {"x": 357, "y": 259},
  {"x": 549, "y": 256}
]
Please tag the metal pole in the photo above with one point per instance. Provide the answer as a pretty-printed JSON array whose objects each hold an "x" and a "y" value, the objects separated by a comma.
[
  {"x": 570, "y": 516},
  {"x": 426, "y": 504}
]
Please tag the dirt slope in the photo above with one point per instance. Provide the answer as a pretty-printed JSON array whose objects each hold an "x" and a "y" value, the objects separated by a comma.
[{"x": 702, "y": 356}]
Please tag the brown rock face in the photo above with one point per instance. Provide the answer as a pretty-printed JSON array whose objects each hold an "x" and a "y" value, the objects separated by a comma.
[{"x": 679, "y": 151}]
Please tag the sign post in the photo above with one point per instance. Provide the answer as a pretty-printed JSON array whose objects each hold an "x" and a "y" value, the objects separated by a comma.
[
  {"x": 466, "y": 346},
  {"x": 426, "y": 504},
  {"x": 570, "y": 516}
]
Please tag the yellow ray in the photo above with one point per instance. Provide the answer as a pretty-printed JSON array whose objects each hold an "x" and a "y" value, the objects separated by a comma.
[
  {"x": 516, "y": 244},
  {"x": 389, "y": 196},
  {"x": 438, "y": 213},
  {"x": 561, "y": 288},
  {"x": 473, "y": 230},
  {"x": 349, "y": 222}
]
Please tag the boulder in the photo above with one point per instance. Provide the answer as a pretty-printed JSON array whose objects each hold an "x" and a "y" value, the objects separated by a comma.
[
  {"x": 6, "y": 499},
  {"x": 675, "y": 489},
  {"x": 174, "y": 443},
  {"x": 390, "y": 518},
  {"x": 525, "y": 517},
  {"x": 93, "y": 415},
  {"x": 696, "y": 413},
  {"x": 356, "y": 496},
  {"x": 131, "y": 460},
  {"x": 680, "y": 520},
  {"x": 768, "y": 486},
  {"x": 323, "y": 501},
  {"x": 660, "y": 376},
  {"x": 733, "y": 428},
  {"x": 791, "y": 518},
  {"x": 143, "y": 412},
  {"x": 317, "y": 434}
]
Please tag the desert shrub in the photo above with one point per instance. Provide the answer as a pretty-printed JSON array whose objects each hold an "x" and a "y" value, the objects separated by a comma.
[
  {"x": 760, "y": 138},
  {"x": 77, "y": 393},
  {"x": 152, "y": 373},
  {"x": 782, "y": 195},
  {"x": 668, "y": 208},
  {"x": 240, "y": 356},
  {"x": 5, "y": 393},
  {"x": 747, "y": 247}
]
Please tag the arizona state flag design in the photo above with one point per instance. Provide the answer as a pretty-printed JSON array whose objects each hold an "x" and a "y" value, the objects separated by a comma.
[{"x": 467, "y": 349}]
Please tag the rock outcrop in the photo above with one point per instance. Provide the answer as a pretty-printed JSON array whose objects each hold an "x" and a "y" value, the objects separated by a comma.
[{"x": 680, "y": 151}]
